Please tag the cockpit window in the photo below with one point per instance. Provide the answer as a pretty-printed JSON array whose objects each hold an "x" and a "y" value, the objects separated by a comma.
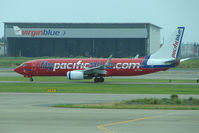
[{"x": 23, "y": 65}]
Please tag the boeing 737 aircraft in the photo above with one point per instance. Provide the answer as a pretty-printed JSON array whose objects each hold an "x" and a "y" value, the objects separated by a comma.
[{"x": 76, "y": 69}]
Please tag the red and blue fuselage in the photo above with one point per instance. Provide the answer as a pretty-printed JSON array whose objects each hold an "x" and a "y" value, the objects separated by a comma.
[{"x": 59, "y": 67}]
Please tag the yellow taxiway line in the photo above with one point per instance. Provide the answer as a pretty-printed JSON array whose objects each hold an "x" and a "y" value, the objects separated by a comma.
[{"x": 102, "y": 127}]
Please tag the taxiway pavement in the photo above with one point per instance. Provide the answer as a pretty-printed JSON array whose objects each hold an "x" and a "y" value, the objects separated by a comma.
[
  {"x": 31, "y": 113},
  {"x": 86, "y": 82}
]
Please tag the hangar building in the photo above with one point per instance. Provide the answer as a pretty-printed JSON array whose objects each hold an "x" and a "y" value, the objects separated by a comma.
[{"x": 81, "y": 39}]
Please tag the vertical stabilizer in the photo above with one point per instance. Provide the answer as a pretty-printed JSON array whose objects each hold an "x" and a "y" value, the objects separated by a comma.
[{"x": 171, "y": 49}]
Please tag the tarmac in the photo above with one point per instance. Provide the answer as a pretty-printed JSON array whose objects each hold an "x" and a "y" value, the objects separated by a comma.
[
  {"x": 31, "y": 113},
  {"x": 83, "y": 82}
]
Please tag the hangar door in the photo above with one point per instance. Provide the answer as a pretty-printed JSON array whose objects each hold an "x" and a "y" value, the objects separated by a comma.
[{"x": 74, "y": 47}]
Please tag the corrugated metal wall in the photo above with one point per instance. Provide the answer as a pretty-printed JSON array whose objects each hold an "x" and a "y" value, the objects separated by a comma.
[{"x": 96, "y": 40}]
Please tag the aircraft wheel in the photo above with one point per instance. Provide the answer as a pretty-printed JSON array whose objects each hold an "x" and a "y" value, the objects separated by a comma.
[
  {"x": 96, "y": 80},
  {"x": 31, "y": 79},
  {"x": 101, "y": 79}
]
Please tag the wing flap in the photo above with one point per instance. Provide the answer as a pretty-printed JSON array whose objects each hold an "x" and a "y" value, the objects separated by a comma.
[{"x": 99, "y": 69}]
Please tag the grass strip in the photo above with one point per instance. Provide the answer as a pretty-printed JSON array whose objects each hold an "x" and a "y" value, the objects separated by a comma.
[
  {"x": 147, "y": 103},
  {"x": 124, "y": 106},
  {"x": 61, "y": 79},
  {"x": 100, "y": 88}
]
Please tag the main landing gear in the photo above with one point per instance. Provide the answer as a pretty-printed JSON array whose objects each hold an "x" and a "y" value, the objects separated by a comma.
[
  {"x": 31, "y": 79},
  {"x": 96, "y": 80}
]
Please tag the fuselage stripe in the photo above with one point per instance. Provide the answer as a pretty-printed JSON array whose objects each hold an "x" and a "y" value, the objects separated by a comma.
[{"x": 178, "y": 52}]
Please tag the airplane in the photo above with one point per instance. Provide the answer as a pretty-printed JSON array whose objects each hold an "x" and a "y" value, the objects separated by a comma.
[{"x": 168, "y": 56}]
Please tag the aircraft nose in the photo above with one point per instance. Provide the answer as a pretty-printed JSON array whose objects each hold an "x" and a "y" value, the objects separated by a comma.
[{"x": 19, "y": 70}]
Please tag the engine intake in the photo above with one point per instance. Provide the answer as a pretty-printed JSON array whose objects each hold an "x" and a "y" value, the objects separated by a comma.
[{"x": 75, "y": 75}]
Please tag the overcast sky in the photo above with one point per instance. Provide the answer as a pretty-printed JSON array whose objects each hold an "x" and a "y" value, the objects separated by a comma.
[{"x": 167, "y": 14}]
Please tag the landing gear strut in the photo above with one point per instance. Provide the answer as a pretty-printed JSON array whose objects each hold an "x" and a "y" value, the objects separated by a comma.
[
  {"x": 31, "y": 79},
  {"x": 96, "y": 80}
]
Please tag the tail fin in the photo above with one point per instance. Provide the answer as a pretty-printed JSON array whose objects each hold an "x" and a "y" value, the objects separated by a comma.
[
  {"x": 171, "y": 49},
  {"x": 17, "y": 30}
]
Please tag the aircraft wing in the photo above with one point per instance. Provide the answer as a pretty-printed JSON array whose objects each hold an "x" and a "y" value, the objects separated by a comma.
[{"x": 99, "y": 69}]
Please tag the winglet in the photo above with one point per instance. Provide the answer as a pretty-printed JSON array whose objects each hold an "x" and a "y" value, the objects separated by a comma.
[
  {"x": 137, "y": 56},
  {"x": 108, "y": 61}
]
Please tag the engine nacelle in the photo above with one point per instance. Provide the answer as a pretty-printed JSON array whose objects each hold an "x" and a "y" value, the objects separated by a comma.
[{"x": 75, "y": 75}]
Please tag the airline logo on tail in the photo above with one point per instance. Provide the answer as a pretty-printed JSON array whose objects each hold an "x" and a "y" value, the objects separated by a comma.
[
  {"x": 17, "y": 30},
  {"x": 177, "y": 42}
]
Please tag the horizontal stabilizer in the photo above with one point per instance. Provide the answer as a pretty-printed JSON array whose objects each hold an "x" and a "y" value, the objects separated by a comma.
[
  {"x": 175, "y": 60},
  {"x": 170, "y": 61},
  {"x": 182, "y": 60}
]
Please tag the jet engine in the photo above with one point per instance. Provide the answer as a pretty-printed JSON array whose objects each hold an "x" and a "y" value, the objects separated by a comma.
[{"x": 75, "y": 75}]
